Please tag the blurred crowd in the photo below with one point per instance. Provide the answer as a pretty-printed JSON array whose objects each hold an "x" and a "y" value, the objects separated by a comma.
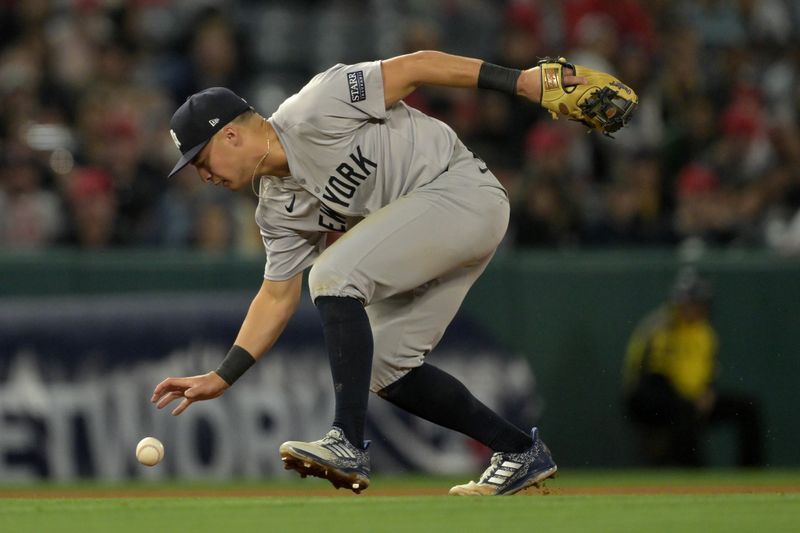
[{"x": 711, "y": 158}]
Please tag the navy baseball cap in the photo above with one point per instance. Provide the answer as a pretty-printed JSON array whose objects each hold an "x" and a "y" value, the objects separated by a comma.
[{"x": 201, "y": 116}]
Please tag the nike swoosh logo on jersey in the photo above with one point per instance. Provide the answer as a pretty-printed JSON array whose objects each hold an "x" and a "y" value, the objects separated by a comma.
[
  {"x": 290, "y": 207},
  {"x": 483, "y": 169}
]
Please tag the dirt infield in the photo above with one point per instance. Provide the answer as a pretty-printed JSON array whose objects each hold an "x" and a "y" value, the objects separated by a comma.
[{"x": 54, "y": 493}]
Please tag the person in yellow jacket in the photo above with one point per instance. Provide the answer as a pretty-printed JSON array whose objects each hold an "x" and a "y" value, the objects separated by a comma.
[{"x": 669, "y": 378}]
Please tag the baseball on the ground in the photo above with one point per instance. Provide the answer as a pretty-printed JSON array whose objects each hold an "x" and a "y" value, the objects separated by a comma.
[{"x": 150, "y": 451}]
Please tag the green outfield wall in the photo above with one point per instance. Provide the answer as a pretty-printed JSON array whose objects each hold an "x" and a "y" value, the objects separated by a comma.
[{"x": 568, "y": 314}]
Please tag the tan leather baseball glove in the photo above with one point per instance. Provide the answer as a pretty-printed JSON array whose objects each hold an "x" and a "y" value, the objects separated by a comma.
[{"x": 603, "y": 103}]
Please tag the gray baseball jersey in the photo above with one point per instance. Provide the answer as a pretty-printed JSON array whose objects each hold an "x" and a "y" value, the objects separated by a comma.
[
  {"x": 346, "y": 149},
  {"x": 432, "y": 213}
]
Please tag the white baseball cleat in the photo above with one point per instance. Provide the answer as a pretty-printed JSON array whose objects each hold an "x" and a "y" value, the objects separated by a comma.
[
  {"x": 332, "y": 457},
  {"x": 510, "y": 473}
]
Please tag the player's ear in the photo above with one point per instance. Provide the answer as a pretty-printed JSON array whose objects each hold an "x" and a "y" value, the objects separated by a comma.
[{"x": 232, "y": 135}]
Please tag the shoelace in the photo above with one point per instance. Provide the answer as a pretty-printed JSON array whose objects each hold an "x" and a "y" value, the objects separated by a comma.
[
  {"x": 500, "y": 470},
  {"x": 496, "y": 457},
  {"x": 340, "y": 447}
]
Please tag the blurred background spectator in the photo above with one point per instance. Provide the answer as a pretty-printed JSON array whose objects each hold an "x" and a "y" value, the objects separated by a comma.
[
  {"x": 711, "y": 157},
  {"x": 30, "y": 213},
  {"x": 670, "y": 373}
]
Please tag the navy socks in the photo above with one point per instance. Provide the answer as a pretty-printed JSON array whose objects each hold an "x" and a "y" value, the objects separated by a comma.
[
  {"x": 348, "y": 338},
  {"x": 438, "y": 397},
  {"x": 426, "y": 391}
]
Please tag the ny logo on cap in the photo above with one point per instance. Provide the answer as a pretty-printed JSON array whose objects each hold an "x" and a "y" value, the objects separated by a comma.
[{"x": 175, "y": 138}]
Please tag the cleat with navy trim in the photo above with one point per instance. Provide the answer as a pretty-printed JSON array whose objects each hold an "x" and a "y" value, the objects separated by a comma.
[
  {"x": 510, "y": 473},
  {"x": 332, "y": 457}
]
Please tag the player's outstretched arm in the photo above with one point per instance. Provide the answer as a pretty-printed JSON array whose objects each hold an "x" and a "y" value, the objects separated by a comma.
[
  {"x": 269, "y": 312},
  {"x": 403, "y": 74},
  {"x": 597, "y": 99}
]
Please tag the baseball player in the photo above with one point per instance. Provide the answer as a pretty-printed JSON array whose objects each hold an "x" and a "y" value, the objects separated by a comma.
[{"x": 421, "y": 216}]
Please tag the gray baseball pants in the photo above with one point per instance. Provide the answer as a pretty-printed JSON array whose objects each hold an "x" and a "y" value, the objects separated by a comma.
[{"x": 412, "y": 262}]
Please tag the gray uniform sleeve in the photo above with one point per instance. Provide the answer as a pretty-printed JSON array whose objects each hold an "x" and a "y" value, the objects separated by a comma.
[
  {"x": 337, "y": 101},
  {"x": 290, "y": 253}
]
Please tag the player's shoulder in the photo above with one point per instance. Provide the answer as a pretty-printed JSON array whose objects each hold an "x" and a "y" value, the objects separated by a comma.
[
  {"x": 301, "y": 106},
  {"x": 324, "y": 76},
  {"x": 330, "y": 71},
  {"x": 333, "y": 99},
  {"x": 341, "y": 70}
]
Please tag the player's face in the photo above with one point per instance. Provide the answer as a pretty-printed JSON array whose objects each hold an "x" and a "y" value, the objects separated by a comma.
[{"x": 219, "y": 163}]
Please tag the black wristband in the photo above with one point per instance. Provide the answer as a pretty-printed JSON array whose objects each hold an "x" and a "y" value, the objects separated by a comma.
[
  {"x": 235, "y": 364},
  {"x": 498, "y": 78}
]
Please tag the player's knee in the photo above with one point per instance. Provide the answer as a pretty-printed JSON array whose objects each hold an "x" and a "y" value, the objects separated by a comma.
[
  {"x": 386, "y": 370},
  {"x": 381, "y": 380},
  {"x": 323, "y": 281},
  {"x": 327, "y": 280}
]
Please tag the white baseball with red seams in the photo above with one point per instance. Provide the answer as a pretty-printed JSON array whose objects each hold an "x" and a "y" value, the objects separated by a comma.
[{"x": 149, "y": 451}]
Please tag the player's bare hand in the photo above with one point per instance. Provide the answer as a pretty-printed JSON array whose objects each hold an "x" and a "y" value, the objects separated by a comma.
[
  {"x": 530, "y": 83},
  {"x": 188, "y": 390}
]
